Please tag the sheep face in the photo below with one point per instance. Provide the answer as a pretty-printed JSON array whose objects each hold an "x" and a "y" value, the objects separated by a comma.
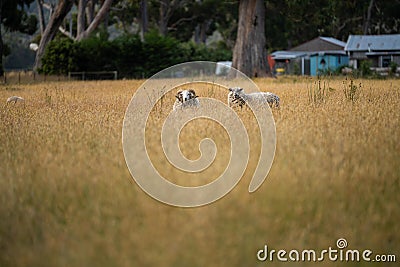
[
  {"x": 235, "y": 97},
  {"x": 185, "y": 95},
  {"x": 236, "y": 91},
  {"x": 185, "y": 99}
]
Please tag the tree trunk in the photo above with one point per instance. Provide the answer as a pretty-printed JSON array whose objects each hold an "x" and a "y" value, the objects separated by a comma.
[
  {"x": 49, "y": 7},
  {"x": 97, "y": 20},
  {"x": 368, "y": 20},
  {"x": 200, "y": 32},
  {"x": 197, "y": 34},
  {"x": 204, "y": 28},
  {"x": 249, "y": 53},
  {"x": 62, "y": 9},
  {"x": 41, "y": 16},
  {"x": 167, "y": 8},
  {"x": 81, "y": 17},
  {"x": 144, "y": 18},
  {"x": 163, "y": 21},
  {"x": 90, "y": 11}
]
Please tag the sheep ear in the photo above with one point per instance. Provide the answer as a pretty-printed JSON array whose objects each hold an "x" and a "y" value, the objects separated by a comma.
[
  {"x": 179, "y": 95},
  {"x": 192, "y": 91}
]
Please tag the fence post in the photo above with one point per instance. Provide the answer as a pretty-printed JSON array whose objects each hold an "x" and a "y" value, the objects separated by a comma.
[
  {"x": 19, "y": 77},
  {"x": 5, "y": 77}
]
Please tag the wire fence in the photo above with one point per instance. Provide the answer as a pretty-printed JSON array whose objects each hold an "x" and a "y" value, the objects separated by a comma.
[
  {"x": 29, "y": 76},
  {"x": 93, "y": 75}
]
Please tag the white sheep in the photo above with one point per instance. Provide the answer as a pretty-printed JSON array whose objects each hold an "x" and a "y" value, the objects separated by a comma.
[
  {"x": 237, "y": 97},
  {"x": 185, "y": 99},
  {"x": 15, "y": 99}
]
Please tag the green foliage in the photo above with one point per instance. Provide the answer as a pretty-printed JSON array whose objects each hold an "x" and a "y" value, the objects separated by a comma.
[
  {"x": 365, "y": 68},
  {"x": 61, "y": 56},
  {"x": 127, "y": 54},
  {"x": 392, "y": 68},
  {"x": 95, "y": 53},
  {"x": 200, "y": 52},
  {"x": 28, "y": 24},
  {"x": 14, "y": 18},
  {"x": 160, "y": 52},
  {"x": 130, "y": 58},
  {"x": 296, "y": 68}
]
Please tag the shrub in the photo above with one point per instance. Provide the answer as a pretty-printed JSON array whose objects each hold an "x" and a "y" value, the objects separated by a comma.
[
  {"x": 161, "y": 52},
  {"x": 365, "y": 68},
  {"x": 296, "y": 68},
  {"x": 96, "y": 54},
  {"x": 130, "y": 57},
  {"x": 60, "y": 57},
  {"x": 393, "y": 68},
  {"x": 200, "y": 52},
  {"x": 127, "y": 54}
]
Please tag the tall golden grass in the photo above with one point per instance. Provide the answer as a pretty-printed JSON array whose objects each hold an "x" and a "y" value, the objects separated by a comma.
[{"x": 67, "y": 198}]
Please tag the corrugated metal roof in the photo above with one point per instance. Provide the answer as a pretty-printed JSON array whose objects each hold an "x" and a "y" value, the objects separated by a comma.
[
  {"x": 333, "y": 41},
  {"x": 280, "y": 55},
  {"x": 332, "y": 52},
  {"x": 382, "y": 53},
  {"x": 371, "y": 43},
  {"x": 287, "y": 54}
]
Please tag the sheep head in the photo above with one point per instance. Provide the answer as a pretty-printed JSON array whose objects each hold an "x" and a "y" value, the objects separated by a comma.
[{"x": 185, "y": 95}]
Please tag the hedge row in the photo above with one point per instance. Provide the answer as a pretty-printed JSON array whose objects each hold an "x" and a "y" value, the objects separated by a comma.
[{"x": 127, "y": 54}]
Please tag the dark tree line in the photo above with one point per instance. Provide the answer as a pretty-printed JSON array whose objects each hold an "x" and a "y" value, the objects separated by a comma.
[
  {"x": 14, "y": 18},
  {"x": 282, "y": 24}
]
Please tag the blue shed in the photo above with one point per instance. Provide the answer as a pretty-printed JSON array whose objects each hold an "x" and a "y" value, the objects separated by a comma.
[{"x": 327, "y": 61}]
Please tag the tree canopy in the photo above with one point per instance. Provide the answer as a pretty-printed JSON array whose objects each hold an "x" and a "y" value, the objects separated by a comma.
[
  {"x": 287, "y": 22},
  {"x": 13, "y": 17}
]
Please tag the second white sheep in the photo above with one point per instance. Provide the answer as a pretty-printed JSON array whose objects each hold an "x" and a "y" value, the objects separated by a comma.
[{"x": 237, "y": 97}]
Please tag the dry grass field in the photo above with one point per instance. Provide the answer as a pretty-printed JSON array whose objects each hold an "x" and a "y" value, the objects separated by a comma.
[{"x": 67, "y": 197}]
